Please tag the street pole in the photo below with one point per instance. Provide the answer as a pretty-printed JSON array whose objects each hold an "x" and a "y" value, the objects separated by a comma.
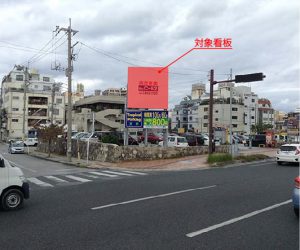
[
  {"x": 52, "y": 102},
  {"x": 69, "y": 71},
  {"x": 24, "y": 101},
  {"x": 230, "y": 118},
  {"x": 211, "y": 99}
]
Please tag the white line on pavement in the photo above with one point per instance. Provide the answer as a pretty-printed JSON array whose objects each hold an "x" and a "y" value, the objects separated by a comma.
[
  {"x": 54, "y": 178},
  {"x": 117, "y": 173},
  {"x": 20, "y": 166},
  {"x": 225, "y": 223},
  {"x": 152, "y": 197},
  {"x": 38, "y": 182},
  {"x": 76, "y": 178},
  {"x": 102, "y": 174},
  {"x": 133, "y": 172}
]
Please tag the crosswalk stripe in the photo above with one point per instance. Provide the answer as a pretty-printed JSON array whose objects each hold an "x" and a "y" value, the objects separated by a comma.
[
  {"x": 39, "y": 182},
  {"x": 102, "y": 174},
  {"x": 89, "y": 175},
  {"x": 54, "y": 178},
  {"x": 76, "y": 178},
  {"x": 133, "y": 172},
  {"x": 117, "y": 173}
]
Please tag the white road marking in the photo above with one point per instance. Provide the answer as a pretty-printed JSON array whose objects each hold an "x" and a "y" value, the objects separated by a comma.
[
  {"x": 20, "y": 166},
  {"x": 89, "y": 175},
  {"x": 54, "y": 178},
  {"x": 133, "y": 172},
  {"x": 102, "y": 174},
  {"x": 152, "y": 197},
  {"x": 225, "y": 223},
  {"x": 38, "y": 182},
  {"x": 66, "y": 169},
  {"x": 116, "y": 173},
  {"x": 76, "y": 178}
]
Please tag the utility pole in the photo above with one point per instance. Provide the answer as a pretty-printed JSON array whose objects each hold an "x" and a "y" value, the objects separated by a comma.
[
  {"x": 230, "y": 117},
  {"x": 69, "y": 71},
  {"x": 24, "y": 100},
  {"x": 52, "y": 102},
  {"x": 210, "y": 116}
]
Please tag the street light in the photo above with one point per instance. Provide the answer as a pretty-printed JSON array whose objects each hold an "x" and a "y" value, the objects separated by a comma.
[{"x": 238, "y": 78}]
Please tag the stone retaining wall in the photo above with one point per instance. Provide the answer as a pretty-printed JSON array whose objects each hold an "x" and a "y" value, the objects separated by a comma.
[{"x": 105, "y": 152}]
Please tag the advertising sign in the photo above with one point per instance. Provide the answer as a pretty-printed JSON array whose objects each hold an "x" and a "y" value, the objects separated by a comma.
[
  {"x": 134, "y": 119},
  {"x": 155, "y": 119},
  {"x": 147, "y": 88}
]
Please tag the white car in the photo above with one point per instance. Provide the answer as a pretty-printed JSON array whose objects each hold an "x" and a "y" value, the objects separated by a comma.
[
  {"x": 31, "y": 142},
  {"x": 288, "y": 153},
  {"x": 175, "y": 141}
]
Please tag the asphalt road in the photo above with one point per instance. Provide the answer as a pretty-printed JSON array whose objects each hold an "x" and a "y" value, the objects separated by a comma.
[
  {"x": 33, "y": 167},
  {"x": 160, "y": 211}
]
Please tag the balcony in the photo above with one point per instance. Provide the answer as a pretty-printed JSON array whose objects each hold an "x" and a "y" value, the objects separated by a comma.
[
  {"x": 37, "y": 112},
  {"x": 37, "y": 100}
]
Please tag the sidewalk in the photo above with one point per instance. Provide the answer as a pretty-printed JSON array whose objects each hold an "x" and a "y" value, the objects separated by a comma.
[{"x": 183, "y": 163}]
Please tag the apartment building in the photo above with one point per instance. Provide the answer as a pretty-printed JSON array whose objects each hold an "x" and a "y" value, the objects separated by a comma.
[
  {"x": 266, "y": 112},
  {"x": 38, "y": 90}
]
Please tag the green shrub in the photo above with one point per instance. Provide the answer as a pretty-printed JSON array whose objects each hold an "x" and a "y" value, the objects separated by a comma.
[
  {"x": 110, "y": 139},
  {"x": 247, "y": 158},
  {"x": 219, "y": 158}
]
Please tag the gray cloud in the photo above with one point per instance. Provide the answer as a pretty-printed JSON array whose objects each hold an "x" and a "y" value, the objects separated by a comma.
[{"x": 265, "y": 38}]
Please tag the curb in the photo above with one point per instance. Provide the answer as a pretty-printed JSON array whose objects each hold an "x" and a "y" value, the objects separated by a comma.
[{"x": 54, "y": 160}]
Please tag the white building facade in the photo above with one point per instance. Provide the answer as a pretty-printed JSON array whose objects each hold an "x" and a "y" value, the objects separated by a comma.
[{"x": 39, "y": 92}]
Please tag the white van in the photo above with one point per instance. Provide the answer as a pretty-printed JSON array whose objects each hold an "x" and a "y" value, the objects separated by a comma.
[
  {"x": 176, "y": 141},
  {"x": 13, "y": 186}
]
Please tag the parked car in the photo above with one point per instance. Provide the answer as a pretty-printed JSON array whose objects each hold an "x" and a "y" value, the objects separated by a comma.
[
  {"x": 206, "y": 141},
  {"x": 176, "y": 141},
  {"x": 31, "y": 142},
  {"x": 120, "y": 136},
  {"x": 78, "y": 135},
  {"x": 94, "y": 136},
  {"x": 296, "y": 196},
  {"x": 13, "y": 186},
  {"x": 16, "y": 147},
  {"x": 194, "y": 139},
  {"x": 288, "y": 153},
  {"x": 152, "y": 138},
  {"x": 256, "y": 140}
]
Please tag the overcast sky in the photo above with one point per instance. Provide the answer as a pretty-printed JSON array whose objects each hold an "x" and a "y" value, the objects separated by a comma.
[{"x": 115, "y": 34}]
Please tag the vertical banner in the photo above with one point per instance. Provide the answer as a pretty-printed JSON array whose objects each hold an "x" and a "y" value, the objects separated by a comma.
[{"x": 147, "y": 88}]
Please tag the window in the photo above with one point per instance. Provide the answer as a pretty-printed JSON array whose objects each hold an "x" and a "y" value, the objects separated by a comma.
[
  {"x": 45, "y": 87},
  {"x": 16, "y": 98},
  {"x": 205, "y": 109},
  {"x": 217, "y": 119},
  {"x": 184, "y": 119},
  {"x": 246, "y": 97},
  {"x": 19, "y": 78},
  {"x": 205, "y": 117},
  {"x": 15, "y": 109},
  {"x": 234, "y": 117},
  {"x": 55, "y": 111},
  {"x": 252, "y": 117},
  {"x": 234, "y": 109},
  {"x": 190, "y": 126},
  {"x": 15, "y": 120},
  {"x": 204, "y": 124},
  {"x": 252, "y": 109},
  {"x": 46, "y": 79},
  {"x": 36, "y": 86},
  {"x": 253, "y": 100},
  {"x": 191, "y": 118},
  {"x": 234, "y": 125},
  {"x": 58, "y": 100},
  {"x": 217, "y": 111}
]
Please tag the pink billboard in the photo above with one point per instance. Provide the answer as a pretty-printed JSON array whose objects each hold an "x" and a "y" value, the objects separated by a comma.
[{"x": 147, "y": 88}]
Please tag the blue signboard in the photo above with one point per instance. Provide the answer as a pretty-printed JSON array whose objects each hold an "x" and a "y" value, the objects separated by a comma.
[{"x": 134, "y": 119}]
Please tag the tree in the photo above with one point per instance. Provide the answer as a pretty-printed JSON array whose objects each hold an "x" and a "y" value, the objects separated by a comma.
[
  {"x": 260, "y": 128},
  {"x": 48, "y": 134}
]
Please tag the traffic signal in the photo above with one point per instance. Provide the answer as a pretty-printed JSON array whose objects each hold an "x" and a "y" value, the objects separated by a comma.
[{"x": 250, "y": 77}]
